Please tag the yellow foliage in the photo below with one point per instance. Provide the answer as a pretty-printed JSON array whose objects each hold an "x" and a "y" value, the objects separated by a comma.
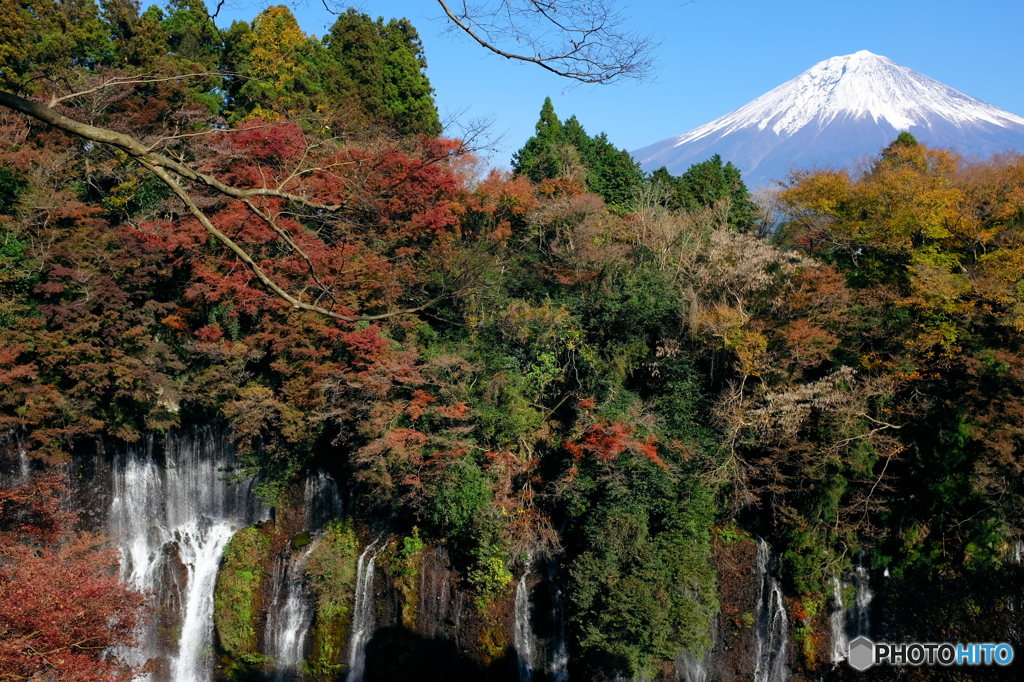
[{"x": 730, "y": 325}]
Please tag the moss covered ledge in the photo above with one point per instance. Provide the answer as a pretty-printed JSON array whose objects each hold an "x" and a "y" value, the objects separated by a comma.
[{"x": 237, "y": 601}]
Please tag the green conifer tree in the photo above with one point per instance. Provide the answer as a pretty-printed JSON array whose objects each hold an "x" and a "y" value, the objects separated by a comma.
[
  {"x": 194, "y": 45},
  {"x": 385, "y": 65},
  {"x": 614, "y": 174},
  {"x": 705, "y": 184},
  {"x": 192, "y": 37},
  {"x": 904, "y": 150},
  {"x": 566, "y": 150},
  {"x": 539, "y": 158},
  {"x": 407, "y": 95},
  {"x": 49, "y": 38},
  {"x": 354, "y": 43}
]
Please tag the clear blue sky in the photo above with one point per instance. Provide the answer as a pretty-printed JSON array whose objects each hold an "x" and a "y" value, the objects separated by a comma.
[{"x": 714, "y": 56}]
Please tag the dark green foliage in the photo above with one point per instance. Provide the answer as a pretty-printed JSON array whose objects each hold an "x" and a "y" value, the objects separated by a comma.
[
  {"x": 613, "y": 174},
  {"x": 137, "y": 40},
  {"x": 905, "y": 139},
  {"x": 50, "y": 37},
  {"x": 354, "y": 42},
  {"x": 234, "y": 62},
  {"x": 18, "y": 272},
  {"x": 706, "y": 184},
  {"x": 195, "y": 45},
  {"x": 11, "y": 185},
  {"x": 407, "y": 95},
  {"x": 643, "y": 589},
  {"x": 458, "y": 498},
  {"x": 406, "y": 567},
  {"x": 541, "y": 156},
  {"x": 565, "y": 150},
  {"x": 384, "y": 64},
  {"x": 192, "y": 36}
]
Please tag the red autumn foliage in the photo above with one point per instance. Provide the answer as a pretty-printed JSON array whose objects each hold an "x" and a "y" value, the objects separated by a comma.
[
  {"x": 605, "y": 439},
  {"x": 65, "y": 612}
]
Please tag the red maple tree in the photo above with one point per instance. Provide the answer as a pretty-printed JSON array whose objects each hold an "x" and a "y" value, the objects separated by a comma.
[{"x": 65, "y": 613}]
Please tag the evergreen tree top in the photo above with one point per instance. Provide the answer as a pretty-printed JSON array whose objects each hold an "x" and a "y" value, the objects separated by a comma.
[{"x": 548, "y": 123}]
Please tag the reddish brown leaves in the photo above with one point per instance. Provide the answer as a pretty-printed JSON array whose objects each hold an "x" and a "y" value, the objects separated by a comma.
[
  {"x": 605, "y": 440},
  {"x": 65, "y": 612}
]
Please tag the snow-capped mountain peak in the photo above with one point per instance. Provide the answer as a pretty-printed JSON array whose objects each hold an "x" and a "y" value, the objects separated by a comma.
[{"x": 856, "y": 93}]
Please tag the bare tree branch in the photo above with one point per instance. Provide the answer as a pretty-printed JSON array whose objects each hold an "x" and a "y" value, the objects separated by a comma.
[
  {"x": 133, "y": 80},
  {"x": 576, "y": 39}
]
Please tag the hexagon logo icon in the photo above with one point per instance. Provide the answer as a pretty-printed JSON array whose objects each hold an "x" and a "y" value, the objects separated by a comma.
[{"x": 861, "y": 653}]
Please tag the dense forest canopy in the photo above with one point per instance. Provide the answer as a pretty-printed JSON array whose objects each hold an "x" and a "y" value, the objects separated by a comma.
[{"x": 574, "y": 360}]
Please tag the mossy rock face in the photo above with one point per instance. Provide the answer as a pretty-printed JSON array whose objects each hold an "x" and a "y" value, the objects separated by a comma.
[
  {"x": 301, "y": 540},
  {"x": 331, "y": 572},
  {"x": 406, "y": 564},
  {"x": 237, "y": 605}
]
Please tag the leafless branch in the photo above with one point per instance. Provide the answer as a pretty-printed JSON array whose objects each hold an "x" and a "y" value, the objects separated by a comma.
[
  {"x": 577, "y": 39},
  {"x": 119, "y": 81}
]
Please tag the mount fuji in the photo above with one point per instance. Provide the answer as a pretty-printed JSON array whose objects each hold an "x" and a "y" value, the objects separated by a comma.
[{"x": 834, "y": 114}]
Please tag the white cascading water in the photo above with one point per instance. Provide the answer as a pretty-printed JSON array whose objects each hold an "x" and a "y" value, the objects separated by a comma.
[
  {"x": 290, "y": 611},
  {"x": 770, "y": 619},
  {"x": 689, "y": 669},
  {"x": 363, "y": 611},
  {"x": 850, "y": 621},
  {"x": 25, "y": 469},
  {"x": 289, "y": 616},
  {"x": 322, "y": 501},
  {"x": 13, "y": 473},
  {"x": 840, "y": 642},
  {"x": 171, "y": 520},
  {"x": 200, "y": 547},
  {"x": 862, "y": 603},
  {"x": 558, "y": 667},
  {"x": 522, "y": 634}
]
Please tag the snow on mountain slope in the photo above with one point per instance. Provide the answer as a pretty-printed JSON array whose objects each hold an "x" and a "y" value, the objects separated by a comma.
[{"x": 835, "y": 113}]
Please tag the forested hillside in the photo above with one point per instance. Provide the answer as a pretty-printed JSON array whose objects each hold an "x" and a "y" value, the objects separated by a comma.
[{"x": 626, "y": 376}]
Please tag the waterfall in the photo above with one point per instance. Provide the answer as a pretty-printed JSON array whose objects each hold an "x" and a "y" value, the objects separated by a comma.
[
  {"x": 290, "y": 610},
  {"x": 853, "y": 620},
  {"x": 200, "y": 546},
  {"x": 288, "y": 618},
  {"x": 14, "y": 470},
  {"x": 770, "y": 619},
  {"x": 25, "y": 468},
  {"x": 171, "y": 515},
  {"x": 558, "y": 667},
  {"x": 523, "y": 633},
  {"x": 689, "y": 669},
  {"x": 322, "y": 501},
  {"x": 862, "y": 603},
  {"x": 840, "y": 642},
  {"x": 363, "y": 612}
]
